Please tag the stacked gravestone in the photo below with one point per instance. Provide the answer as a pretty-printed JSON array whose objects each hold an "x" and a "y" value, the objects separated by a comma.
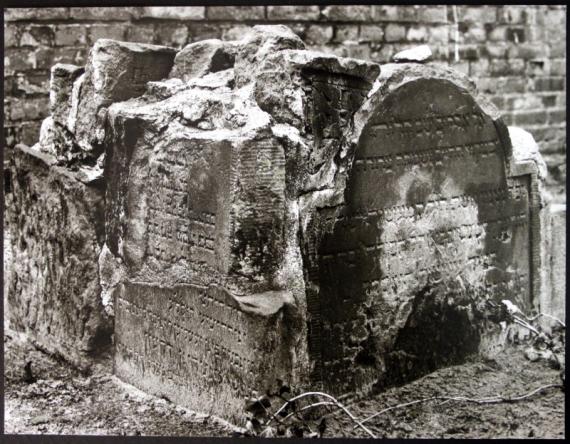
[
  {"x": 275, "y": 213},
  {"x": 57, "y": 205}
]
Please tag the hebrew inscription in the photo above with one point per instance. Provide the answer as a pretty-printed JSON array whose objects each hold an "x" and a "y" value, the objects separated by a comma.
[
  {"x": 186, "y": 187},
  {"x": 427, "y": 200}
]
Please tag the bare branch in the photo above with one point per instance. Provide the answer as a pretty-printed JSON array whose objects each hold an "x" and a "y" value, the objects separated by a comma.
[{"x": 491, "y": 400}]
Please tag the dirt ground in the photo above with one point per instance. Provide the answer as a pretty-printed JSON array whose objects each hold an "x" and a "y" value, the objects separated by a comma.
[{"x": 63, "y": 401}]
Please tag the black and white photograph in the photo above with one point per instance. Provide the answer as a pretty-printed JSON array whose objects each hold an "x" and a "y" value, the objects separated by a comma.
[{"x": 284, "y": 221}]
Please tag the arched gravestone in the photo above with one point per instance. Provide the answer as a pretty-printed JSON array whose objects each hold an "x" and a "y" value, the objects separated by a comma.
[{"x": 431, "y": 222}]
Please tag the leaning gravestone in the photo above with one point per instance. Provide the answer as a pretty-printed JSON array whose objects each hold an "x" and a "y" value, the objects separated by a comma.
[{"x": 276, "y": 213}]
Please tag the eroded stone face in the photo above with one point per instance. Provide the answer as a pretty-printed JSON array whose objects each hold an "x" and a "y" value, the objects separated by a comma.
[
  {"x": 430, "y": 222},
  {"x": 58, "y": 230}
]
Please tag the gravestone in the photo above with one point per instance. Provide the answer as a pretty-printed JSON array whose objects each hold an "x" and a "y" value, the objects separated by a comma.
[
  {"x": 56, "y": 207},
  {"x": 437, "y": 214},
  {"x": 56, "y": 221},
  {"x": 273, "y": 213}
]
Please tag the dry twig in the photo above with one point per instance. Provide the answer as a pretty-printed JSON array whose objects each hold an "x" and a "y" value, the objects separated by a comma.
[{"x": 490, "y": 400}]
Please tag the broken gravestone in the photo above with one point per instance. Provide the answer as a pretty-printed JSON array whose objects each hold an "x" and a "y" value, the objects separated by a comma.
[
  {"x": 276, "y": 213},
  {"x": 56, "y": 208}
]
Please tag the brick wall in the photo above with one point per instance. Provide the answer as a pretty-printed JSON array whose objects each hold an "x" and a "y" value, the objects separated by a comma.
[{"x": 516, "y": 54}]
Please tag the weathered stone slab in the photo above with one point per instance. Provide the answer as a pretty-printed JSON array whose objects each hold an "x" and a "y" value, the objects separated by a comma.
[
  {"x": 115, "y": 71},
  {"x": 432, "y": 220},
  {"x": 199, "y": 345},
  {"x": 53, "y": 288},
  {"x": 553, "y": 244},
  {"x": 204, "y": 57},
  {"x": 61, "y": 86}
]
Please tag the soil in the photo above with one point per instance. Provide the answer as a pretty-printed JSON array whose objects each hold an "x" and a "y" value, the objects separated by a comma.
[{"x": 64, "y": 401}]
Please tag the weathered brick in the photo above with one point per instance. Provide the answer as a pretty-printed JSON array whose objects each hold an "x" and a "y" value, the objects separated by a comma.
[
  {"x": 528, "y": 51},
  {"x": 203, "y": 31},
  {"x": 469, "y": 52},
  {"x": 18, "y": 59},
  {"x": 511, "y": 14},
  {"x": 475, "y": 33},
  {"x": 358, "y": 51},
  {"x": 385, "y": 13},
  {"x": 33, "y": 82},
  {"x": 549, "y": 84},
  {"x": 395, "y": 33},
  {"x": 556, "y": 116},
  {"x": 500, "y": 67},
  {"x": 555, "y": 35},
  {"x": 237, "y": 32},
  {"x": 477, "y": 14},
  {"x": 549, "y": 101},
  {"x": 417, "y": 34},
  {"x": 37, "y": 35},
  {"x": 479, "y": 68},
  {"x": 558, "y": 67},
  {"x": 74, "y": 56},
  {"x": 115, "y": 31},
  {"x": 553, "y": 18},
  {"x": 174, "y": 12},
  {"x": 526, "y": 118},
  {"x": 24, "y": 109},
  {"x": 534, "y": 33},
  {"x": 293, "y": 13},
  {"x": 524, "y": 102},
  {"x": 10, "y": 85},
  {"x": 529, "y": 15},
  {"x": 11, "y": 36},
  {"x": 432, "y": 14},
  {"x": 496, "y": 33},
  {"x": 353, "y": 13},
  {"x": 345, "y": 33},
  {"x": 371, "y": 33},
  {"x": 384, "y": 53},
  {"x": 70, "y": 35},
  {"x": 439, "y": 34},
  {"x": 141, "y": 33},
  {"x": 173, "y": 35},
  {"x": 44, "y": 58},
  {"x": 558, "y": 49},
  {"x": 318, "y": 34},
  {"x": 30, "y": 132},
  {"x": 516, "y": 35},
  {"x": 101, "y": 13},
  {"x": 495, "y": 50},
  {"x": 561, "y": 100},
  {"x": 537, "y": 67},
  {"x": 509, "y": 85},
  {"x": 13, "y": 14},
  {"x": 235, "y": 13}
]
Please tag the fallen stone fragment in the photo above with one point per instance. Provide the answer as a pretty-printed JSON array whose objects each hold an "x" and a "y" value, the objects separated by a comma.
[
  {"x": 116, "y": 71},
  {"x": 419, "y": 54},
  {"x": 61, "y": 85},
  {"x": 525, "y": 148}
]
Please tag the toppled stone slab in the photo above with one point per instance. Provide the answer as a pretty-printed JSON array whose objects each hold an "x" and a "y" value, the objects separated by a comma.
[
  {"x": 419, "y": 54},
  {"x": 53, "y": 290}
]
